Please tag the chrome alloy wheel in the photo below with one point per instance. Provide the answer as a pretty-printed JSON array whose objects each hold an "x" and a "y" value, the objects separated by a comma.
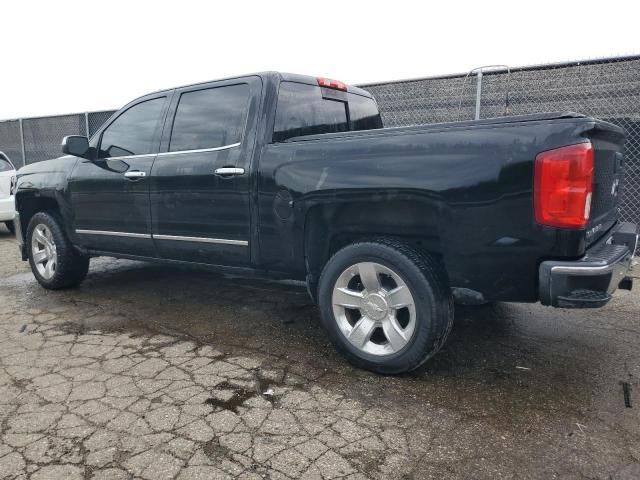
[
  {"x": 43, "y": 249},
  {"x": 374, "y": 308}
]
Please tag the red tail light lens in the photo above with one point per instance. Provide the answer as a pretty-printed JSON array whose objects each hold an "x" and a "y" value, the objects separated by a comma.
[
  {"x": 563, "y": 186},
  {"x": 334, "y": 84}
]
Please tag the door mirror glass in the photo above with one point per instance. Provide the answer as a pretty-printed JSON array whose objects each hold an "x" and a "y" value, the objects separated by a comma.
[
  {"x": 76, "y": 145},
  {"x": 113, "y": 164}
]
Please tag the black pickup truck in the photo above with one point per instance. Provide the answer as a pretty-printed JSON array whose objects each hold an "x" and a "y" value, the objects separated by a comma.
[{"x": 293, "y": 177}]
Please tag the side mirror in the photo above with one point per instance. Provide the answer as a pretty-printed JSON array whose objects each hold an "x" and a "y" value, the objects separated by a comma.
[{"x": 76, "y": 145}]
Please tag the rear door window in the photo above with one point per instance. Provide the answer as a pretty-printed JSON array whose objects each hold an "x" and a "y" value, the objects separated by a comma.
[
  {"x": 302, "y": 111},
  {"x": 210, "y": 118}
]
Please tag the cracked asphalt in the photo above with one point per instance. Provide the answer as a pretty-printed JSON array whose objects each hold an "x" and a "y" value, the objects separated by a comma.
[{"x": 158, "y": 372}]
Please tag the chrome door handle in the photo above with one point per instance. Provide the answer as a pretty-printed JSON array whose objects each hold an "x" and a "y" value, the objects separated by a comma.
[
  {"x": 229, "y": 171},
  {"x": 135, "y": 174}
]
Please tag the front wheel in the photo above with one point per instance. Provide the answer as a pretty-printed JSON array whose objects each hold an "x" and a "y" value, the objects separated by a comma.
[
  {"x": 54, "y": 262},
  {"x": 386, "y": 306},
  {"x": 10, "y": 226}
]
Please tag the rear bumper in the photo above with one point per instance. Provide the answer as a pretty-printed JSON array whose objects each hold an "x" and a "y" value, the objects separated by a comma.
[
  {"x": 590, "y": 281},
  {"x": 7, "y": 209}
]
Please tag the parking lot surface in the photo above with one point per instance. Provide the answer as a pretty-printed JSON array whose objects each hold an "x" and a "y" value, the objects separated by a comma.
[{"x": 158, "y": 372}]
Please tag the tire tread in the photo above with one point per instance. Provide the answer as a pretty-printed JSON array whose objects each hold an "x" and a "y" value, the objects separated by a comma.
[
  {"x": 71, "y": 266},
  {"x": 442, "y": 310}
]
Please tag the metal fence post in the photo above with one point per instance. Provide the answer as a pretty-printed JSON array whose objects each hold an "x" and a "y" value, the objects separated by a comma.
[
  {"x": 478, "y": 94},
  {"x": 86, "y": 123},
  {"x": 24, "y": 155}
]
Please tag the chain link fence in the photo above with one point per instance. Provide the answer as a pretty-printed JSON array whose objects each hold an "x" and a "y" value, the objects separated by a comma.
[
  {"x": 608, "y": 89},
  {"x": 29, "y": 140},
  {"x": 42, "y": 135},
  {"x": 10, "y": 141},
  {"x": 96, "y": 119}
]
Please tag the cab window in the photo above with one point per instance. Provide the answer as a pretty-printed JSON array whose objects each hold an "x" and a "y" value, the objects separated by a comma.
[
  {"x": 134, "y": 131},
  {"x": 363, "y": 113},
  {"x": 210, "y": 118},
  {"x": 302, "y": 110}
]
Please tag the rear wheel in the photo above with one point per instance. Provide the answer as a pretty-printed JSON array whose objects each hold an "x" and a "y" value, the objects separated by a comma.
[
  {"x": 10, "y": 226},
  {"x": 386, "y": 307},
  {"x": 54, "y": 262}
]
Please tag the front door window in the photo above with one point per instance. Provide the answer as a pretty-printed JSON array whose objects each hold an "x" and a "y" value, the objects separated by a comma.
[{"x": 133, "y": 132}]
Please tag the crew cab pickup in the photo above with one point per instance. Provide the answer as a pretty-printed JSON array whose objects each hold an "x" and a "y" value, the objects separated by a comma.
[{"x": 293, "y": 177}]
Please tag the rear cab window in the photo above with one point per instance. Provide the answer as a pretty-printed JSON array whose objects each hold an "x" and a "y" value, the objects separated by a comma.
[
  {"x": 305, "y": 109},
  {"x": 363, "y": 113}
]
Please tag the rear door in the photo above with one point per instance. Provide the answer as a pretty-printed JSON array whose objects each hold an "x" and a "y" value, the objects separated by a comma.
[
  {"x": 200, "y": 206},
  {"x": 110, "y": 196}
]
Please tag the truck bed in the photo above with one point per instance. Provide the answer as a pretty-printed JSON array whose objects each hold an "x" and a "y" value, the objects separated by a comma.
[{"x": 465, "y": 189}]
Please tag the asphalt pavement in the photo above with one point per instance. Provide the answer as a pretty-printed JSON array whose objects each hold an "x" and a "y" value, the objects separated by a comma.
[{"x": 156, "y": 372}]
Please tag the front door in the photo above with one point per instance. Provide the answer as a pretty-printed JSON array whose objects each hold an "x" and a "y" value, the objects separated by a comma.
[
  {"x": 110, "y": 196},
  {"x": 200, "y": 181}
]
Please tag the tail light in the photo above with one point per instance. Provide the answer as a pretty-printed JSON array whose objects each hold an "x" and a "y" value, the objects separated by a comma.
[
  {"x": 563, "y": 186},
  {"x": 334, "y": 84},
  {"x": 12, "y": 187}
]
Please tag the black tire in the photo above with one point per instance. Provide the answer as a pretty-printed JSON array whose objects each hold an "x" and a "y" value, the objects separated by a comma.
[
  {"x": 427, "y": 282},
  {"x": 10, "y": 226},
  {"x": 71, "y": 267}
]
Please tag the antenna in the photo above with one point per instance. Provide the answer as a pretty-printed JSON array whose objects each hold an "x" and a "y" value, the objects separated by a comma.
[{"x": 480, "y": 70}]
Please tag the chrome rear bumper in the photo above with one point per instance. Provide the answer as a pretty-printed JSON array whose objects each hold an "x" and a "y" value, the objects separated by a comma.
[{"x": 590, "y": 281}]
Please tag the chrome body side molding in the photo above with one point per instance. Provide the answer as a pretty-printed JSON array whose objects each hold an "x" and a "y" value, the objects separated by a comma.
[
  {"x": 201, "y": 150},
  {"x": 201, "y": 239},
  {"x": 113, "y": 234},
  {"x": 223, "y": 241}
]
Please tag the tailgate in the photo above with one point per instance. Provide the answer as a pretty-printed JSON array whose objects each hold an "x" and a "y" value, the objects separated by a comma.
[{"x": 608, "y": 144}]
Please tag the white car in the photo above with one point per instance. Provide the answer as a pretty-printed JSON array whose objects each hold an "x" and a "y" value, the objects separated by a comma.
[{"x": 7, "y": 203}]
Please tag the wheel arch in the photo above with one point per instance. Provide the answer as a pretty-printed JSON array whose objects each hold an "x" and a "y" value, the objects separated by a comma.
[
  {"x": 30, "y": 202},
  {"x": 329, "y": 227}
]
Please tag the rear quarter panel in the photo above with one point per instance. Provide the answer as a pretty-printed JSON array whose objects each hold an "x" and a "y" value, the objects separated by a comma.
[{"x": 463, "y": 192}]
